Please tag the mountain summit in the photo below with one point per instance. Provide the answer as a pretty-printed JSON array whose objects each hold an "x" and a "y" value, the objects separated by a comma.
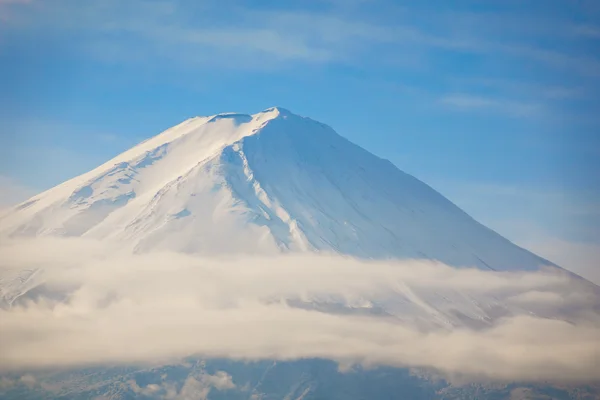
[{"x": 264, "y": 183}]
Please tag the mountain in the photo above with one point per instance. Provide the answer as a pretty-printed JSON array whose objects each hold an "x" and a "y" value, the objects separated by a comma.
[
  {"x": 264, "y": 183},
  {"x": 270, "y": 183}
]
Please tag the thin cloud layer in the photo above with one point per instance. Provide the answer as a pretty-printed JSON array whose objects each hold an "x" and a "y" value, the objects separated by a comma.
[{"x": 91, "y": 305}]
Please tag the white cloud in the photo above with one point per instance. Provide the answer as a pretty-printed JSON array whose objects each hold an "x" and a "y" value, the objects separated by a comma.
[{"x": 97, "y": 306}]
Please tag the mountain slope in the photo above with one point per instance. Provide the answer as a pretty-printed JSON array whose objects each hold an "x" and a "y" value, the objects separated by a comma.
[{"x": 263, "y": 183}]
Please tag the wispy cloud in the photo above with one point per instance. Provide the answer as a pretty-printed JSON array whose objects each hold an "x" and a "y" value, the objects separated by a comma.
[
  {"x": 525, "y": 89},
  {"x": 9, "y": 2},
  {"x": 461, "y": 101},
  {"x": 5, "y": 8},
  {"x": 588, "y": 31},
  {"x": 5, "y": 3},
  {"x": 580, "y": 64},
  {"x": 321, "y": 36},
  {"x": 95, "y": 306}
]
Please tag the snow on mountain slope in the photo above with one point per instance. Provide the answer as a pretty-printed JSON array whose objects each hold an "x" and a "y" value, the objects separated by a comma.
[{"x": 263, "y": 183}]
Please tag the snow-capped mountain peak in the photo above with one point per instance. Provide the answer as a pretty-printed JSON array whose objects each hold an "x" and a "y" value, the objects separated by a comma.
[{"x": 267, "y": 182}]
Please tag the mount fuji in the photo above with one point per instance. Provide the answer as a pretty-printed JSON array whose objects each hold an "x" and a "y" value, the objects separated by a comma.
[{"x": 265, "y": 183}]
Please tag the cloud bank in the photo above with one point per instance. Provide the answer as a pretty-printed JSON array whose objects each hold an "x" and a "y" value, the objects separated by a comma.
[{"x": 92, "y": 305}]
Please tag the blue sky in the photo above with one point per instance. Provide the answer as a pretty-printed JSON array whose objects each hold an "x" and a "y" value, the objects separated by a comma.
[{"x": 493, "y": 103}]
